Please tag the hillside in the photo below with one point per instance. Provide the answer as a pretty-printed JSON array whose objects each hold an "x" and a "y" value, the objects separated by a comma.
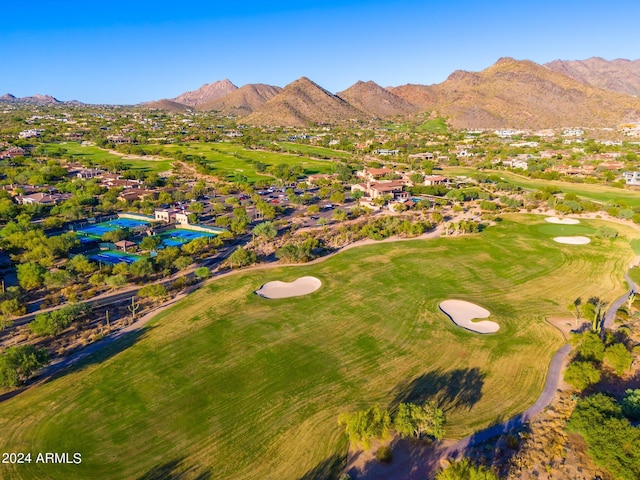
[
  {"x": 206, "y": 93},
  {"x": 514, "y": 93},
  {"x": 242, "y": 101},
  {"x": 621, "y": 76},
  {"x": 376, "y": 101},
  {"x": 37, "y": 98},
  {"x": 420, "y": 95},
  {"x": 303, "y": 103},
  {"x": 168, "y": 105}
]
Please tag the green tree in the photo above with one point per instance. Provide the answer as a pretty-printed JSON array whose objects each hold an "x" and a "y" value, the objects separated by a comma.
[
  {"x": 364, "y": 425},
  {"x": 416, "y": 178},
  {"x": 413, "y": 420},
  {"x": 465, "y": 470},
  {"x": 153, "y": 290},
  {"x": 265, "y": 230},
  {"x": 80, "y": 265},
  {"x": 141, "y": 268},
  {"x": 618, "y": 358},
  {"x": 589, "y": 346},
  {"x": 150, "y": 242},
  {"x": 12, "y": 307},
  {"x": 581, "y": 374},
  {"x": 116, "y": 281},
  {"x": 337, "y": 197},
  {"x": 202, "y": 272},
  {"x": 242, "y": 257},
  {"x": 183, "y": 262},
  {"x": 17, "y": 364},
  {"x": 631, "y": 404},
  {"x": 30, "y": 275}
]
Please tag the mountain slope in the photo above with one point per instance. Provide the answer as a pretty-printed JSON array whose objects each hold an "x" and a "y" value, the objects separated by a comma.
[
  {"x": 243, "y": 100},
  {"x": 513, "y": 93},
  {"x": 168, "y": 105},
  {"x": 37, "y": 98},
  {"x": 303, "y": 103},
  {"x": 206, "y": 93},
  {"x": 376, "y": 101},
  {"x": 420, "y": 95},
  {"x": 621, "y": 76}
]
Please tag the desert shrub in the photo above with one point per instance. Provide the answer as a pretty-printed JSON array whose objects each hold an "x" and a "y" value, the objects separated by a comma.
[
  {"x": 581, "y": 374},
  {"x": 384, "y": 454}
]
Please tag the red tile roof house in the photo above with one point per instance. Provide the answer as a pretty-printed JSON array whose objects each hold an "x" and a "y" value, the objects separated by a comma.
[
  {"x": 373, "y": 173},
  {"x": 43, "y": 198}
]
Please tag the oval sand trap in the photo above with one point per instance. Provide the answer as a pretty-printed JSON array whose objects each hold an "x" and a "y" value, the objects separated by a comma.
[
  {"x": 572, "y": 240},
  {"x": 461, "y": 313},
  {"x": 297, "y": 288},
  {"x": 562, "y": 221}
]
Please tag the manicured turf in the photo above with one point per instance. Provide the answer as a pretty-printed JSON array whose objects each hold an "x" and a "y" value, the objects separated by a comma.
[
  {"x": 238, "y": 386},
  {"x": 556, "y": 230},
  {"x": 103, "y": 157},
  {"x": 230, "y": 158}
]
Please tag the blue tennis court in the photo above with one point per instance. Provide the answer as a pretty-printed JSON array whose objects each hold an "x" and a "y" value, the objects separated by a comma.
[
  {"x": 100, "y": 229},
  {"x": 113, "y": 258},
  {"x": 178, "y": 236}
]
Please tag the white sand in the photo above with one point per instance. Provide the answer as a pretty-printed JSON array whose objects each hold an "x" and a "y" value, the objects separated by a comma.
[
  {"x": 572, "y": 240},
  {"x": 461, "y": 313},
  {"x": 297, "y": 288},
  {"x": 562, "y": 221}
]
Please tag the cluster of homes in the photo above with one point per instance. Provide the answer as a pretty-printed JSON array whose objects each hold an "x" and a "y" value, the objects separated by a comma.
[
  {"x": 48, "y": 195},
  {"x": 376, "y": 183}
]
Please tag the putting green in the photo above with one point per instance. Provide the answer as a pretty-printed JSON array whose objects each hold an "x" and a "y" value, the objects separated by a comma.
[
  {"x": 555, "y": 230},
  {"x": 229, "y": 385}
]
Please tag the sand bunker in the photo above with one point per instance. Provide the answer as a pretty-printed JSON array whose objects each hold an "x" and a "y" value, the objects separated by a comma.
[
  {"x": 461, "y": 313},
  {"x": 297, "y": 288},
  {"x": 572, "y": 240},
  {"x": 562, "y": 221}
]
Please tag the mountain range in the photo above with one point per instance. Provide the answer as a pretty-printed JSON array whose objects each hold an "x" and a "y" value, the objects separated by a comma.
[{"x": 511, "y": 93}]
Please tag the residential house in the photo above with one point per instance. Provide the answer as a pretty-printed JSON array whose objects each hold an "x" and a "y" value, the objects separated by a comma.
[
  {"x": 41, "y": 198},
  {"x": 13, "y": 152},
  {"x": 632, "y": 178},
  {"x": 435, "y": 180},
  {"x": 371, "y": 174},
  {"x": 383, "y": 152}
]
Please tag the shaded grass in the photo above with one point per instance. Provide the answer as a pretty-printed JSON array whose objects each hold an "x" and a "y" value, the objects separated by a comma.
[{"x": 246, "y": 387}]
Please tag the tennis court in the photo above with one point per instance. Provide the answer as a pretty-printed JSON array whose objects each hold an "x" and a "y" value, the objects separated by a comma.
[
  {"x": 178, "y": 236},
  {"x": 113, "y": 258},
  {"x": 100, "y": 229}
]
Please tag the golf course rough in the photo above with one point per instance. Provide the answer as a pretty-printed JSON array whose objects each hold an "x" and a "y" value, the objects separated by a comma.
[{"x": 228, "y": 384}]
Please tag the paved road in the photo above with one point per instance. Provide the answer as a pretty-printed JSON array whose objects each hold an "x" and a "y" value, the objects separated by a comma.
[{"x": 610, "y": 316}]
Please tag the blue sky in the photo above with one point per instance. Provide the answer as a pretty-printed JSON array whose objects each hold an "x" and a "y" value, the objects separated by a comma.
[{"x": 128, "y": 52}]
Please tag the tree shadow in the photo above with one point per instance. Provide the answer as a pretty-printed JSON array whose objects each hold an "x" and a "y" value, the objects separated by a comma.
[
  {"x": 94, "y": 353},
  {"x": 175, "y": 470},
  {"x": 330, "y": 467},
  {"x": 80, "y": 359},
  {"x": 460, "y": 388}
]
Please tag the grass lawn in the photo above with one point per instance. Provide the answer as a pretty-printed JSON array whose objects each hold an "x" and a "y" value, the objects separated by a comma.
[
  {"x": 315, "y": 151},
  {"x": 233, "y": 385},
  {"x": 597, "y": 193},
  {"x": 101, "y": 156},
  {"x": 229, "y": 158}
]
